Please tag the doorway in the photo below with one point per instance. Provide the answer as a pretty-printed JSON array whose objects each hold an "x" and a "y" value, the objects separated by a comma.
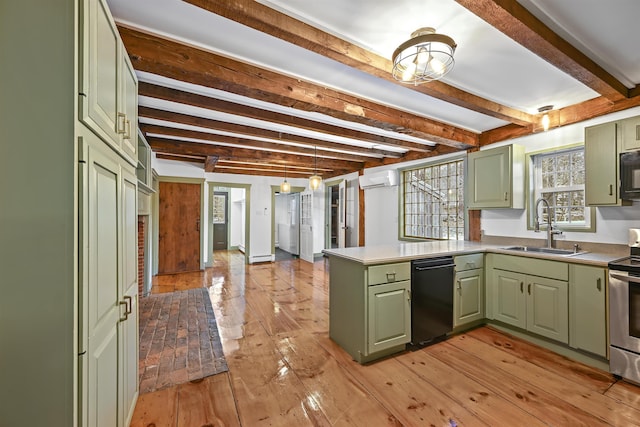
[
  {"x": 336, "y": 214},
  {"x": 287, "y": 224},
  {"x": 220, "y": 220}
]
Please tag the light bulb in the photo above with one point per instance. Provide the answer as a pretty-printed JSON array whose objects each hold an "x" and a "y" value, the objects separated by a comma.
[
  {"x": 436, "y": 65},
  {"x": 409, "y": 71},
  {"x": 285, "y": 187},
  {"x": 422, "y": 58}
]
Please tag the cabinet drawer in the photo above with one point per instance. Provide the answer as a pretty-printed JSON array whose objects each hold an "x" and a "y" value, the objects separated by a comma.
[
  {"x": 532, "y": 266},
  {"x": 388, "y": 273},
  {"x": 469, "y": 262}
]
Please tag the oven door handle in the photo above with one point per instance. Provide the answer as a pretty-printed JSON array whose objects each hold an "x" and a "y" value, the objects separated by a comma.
[{"x": 624, "y": 278}]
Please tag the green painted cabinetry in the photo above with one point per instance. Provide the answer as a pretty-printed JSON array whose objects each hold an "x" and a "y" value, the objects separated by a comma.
[
  {"x": 468, "y": 295},
  {"x": 630, "y": 134},
  {"x": 495, "y": 178},
  {"x": 601, "y": 165},
  {"x": 369, "y": 307},
  {"x": 525, "y": 299},
  {"x": 587, "y": 308}
]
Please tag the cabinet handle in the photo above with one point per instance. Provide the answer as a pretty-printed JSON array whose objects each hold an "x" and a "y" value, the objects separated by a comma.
[
  {"x": 129, "y": 300},
  {"x": 127, "y": 129},
  {"x": 391, "y": 277},
  {"x": 126, "y": 310},
  {"x": 121, "y": 118},
  {"x": 521, "y": 287},
  {"x": 599, "y": 284},
  {"x": 529, "y": 288},
  {"x": 611, "y": 189},
  {"x": 506, "y": 196},
  {"x": 459, "y": 287},
  {"x": 408, "y": 294}
]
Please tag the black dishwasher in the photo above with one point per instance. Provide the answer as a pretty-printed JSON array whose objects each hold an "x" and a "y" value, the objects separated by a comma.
[{"x": 431, "y": 299}]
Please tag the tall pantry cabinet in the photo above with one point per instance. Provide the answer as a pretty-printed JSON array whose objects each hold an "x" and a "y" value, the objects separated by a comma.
[{"x": 68, "y": 225}]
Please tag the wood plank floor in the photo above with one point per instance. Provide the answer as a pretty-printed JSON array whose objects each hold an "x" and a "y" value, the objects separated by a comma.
[{"x": 285, "y": 371}]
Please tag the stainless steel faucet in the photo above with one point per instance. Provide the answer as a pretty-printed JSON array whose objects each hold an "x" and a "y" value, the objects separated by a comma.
[{"x": 550, "y": 231}]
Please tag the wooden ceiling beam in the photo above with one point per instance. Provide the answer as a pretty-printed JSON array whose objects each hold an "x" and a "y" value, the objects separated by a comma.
[
  {"x": 251, "y": 144},
  {"x": 220, "y": 105},
  {"x": 254, "y": 132},
  {"x": 262, "y": 18},
  {"x": 518, "y": 23},
  {"x": 210, "y": 163},
  {"x": 164, "y": 57},
  {"x": 176, "y": 147}
]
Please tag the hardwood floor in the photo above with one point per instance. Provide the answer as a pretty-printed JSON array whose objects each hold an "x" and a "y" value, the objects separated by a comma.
[{"x": 285, "y": 371}]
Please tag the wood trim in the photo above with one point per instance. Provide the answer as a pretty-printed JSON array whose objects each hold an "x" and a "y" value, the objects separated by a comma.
[
  {"x": 519, "y": 24},
  {"x": 171, "y": 59},
  {"x": 361, "y": 211},
  {"x": 270, "y": 21}
]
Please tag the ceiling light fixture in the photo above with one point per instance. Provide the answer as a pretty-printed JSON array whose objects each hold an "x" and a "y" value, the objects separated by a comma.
[
  {"x": 315, "y": 179},
  {"x": 425, "y": 57},
  {"x": 545, "y": 117},
  {"x": 285, "y": 187}
]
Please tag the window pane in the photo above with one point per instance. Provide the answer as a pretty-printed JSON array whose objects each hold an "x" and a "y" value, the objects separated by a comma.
[{"x": 434, "y": 201}]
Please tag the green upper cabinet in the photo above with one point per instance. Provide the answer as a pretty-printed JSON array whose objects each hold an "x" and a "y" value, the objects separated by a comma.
[
  {"x": 630, "y": 134},
  {"x": 601, "y": 164},
  {"x": 495, "y": 178},
  {"x": 587, "y": 308},
  {"x": 108, "y": 85}
]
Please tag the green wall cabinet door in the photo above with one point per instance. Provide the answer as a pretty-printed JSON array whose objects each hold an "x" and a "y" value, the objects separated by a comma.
[
  {"x": 495, "y": 178},
  {"x": 587, "y": 308},
  {"x": 389, "y": 315},
  {"x": 601, "y": 164},
  {"x": 510, "y": 303},
  {"x": 548, "y": 308},
  {"x": 129, "y": 109},
  {"x": 630, "y": 134},
  {"x": 468, "y": 297}
]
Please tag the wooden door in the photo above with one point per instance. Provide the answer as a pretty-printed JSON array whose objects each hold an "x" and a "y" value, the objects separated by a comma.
[
  {"x": 510, "y": 304},
  {"x": 179, "y": 227},
  {"x": 389, "y": 322},
  {"x": 468, "y": 297},
  {"x": 220, "y": 221},
  {"x": 587, "y": 308}
]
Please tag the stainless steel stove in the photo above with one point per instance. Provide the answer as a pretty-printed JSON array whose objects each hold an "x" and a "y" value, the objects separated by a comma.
[{"x": 624, "y": 315}]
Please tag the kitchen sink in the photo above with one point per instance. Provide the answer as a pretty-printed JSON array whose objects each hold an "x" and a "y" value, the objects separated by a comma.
[{"x": 535, "y": 249}]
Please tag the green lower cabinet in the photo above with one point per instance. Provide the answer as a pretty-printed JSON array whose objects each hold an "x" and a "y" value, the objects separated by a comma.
[
  {"x": 587, "y": 309},
  {"x": 548, "y": 308},
  {"x": 389, "y": 315},
  {"x": 468, "y": 297},
  {"x": 509, "y": 301},
  {"x": 537, "y": 304}
]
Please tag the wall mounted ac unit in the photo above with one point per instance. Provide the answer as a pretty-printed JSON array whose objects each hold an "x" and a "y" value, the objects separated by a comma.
[{"x": 386, "y": 178}]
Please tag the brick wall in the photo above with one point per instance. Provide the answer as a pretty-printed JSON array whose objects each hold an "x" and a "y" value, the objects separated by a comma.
[{"x": 141, "y": 233}]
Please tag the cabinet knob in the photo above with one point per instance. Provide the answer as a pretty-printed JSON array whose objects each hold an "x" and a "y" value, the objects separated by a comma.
[
  {"x": 506, "y": 196},
  {"x": 599, "y": 284}
]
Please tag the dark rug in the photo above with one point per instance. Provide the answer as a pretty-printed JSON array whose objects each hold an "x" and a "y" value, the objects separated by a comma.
[{"x": 179, "y": 340}]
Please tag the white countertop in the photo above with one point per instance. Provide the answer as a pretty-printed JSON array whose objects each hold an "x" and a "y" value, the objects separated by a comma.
[{"x": 383, "y": 254}]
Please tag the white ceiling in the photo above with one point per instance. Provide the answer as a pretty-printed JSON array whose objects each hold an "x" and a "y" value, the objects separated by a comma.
[{"x": 488, "y": 63}]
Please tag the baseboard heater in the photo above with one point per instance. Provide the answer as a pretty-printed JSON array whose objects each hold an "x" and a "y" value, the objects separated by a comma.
[{"x": 261, "y": 258}]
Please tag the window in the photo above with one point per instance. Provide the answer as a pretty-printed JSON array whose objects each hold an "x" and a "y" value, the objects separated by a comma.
[
  {"x": 433, "y": 201},
  {"x": 558, "y": 177}
]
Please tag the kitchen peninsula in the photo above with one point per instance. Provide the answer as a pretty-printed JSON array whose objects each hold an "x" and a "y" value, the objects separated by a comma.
[{"x": 558, "y": 301}]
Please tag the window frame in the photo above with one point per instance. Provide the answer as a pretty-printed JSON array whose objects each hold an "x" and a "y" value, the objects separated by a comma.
[
  {"x": 401, "y": 196},
  {"x": 530, "y": 193}
]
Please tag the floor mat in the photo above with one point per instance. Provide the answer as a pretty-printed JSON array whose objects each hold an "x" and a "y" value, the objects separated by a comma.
[{"x": 179, "y": 339}]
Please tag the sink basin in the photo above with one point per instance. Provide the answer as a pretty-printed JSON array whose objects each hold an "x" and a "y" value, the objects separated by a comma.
[{"x": 535, "y": 249}]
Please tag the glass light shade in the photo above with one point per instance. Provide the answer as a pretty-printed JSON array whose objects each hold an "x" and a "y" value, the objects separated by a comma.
[
  {"x": 545, "y": 121},
  {"x": 285, "y": 187},
  {"x": 314, "y": 182}
]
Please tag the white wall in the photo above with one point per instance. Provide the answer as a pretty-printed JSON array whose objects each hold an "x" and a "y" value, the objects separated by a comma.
[{"x": 381, "y": 210}]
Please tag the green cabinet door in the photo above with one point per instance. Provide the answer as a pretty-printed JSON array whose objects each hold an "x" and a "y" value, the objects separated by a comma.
[
  {"x": 630, "y": 134},
  {"x": 587, "y": 309},
  {"x": 389, "y": 316},
  {"x": 509, "y": 299},
  {"x": 468, "y": 298},
  {"x": 601, "y": 164},
  {"x": 495, "y": 178},
  {"x": 129, "y": 108},
  {"x": 548, "y": 308}
]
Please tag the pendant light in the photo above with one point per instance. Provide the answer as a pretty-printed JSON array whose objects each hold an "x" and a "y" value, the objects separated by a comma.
[
  {"x": 315, "y": 179},
  {"x": 285, "y": 187}
]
